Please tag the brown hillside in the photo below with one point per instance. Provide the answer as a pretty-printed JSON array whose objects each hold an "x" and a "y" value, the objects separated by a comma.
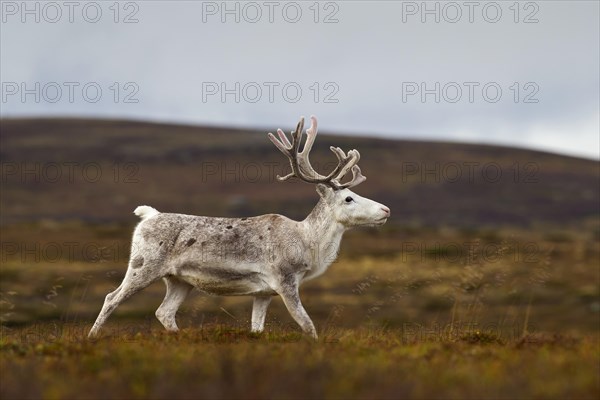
[{"x": 99, "y": 170}]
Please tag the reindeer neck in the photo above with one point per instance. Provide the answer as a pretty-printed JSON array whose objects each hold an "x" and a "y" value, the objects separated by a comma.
[
  {"x": 322, "y": 223},
  {"x": 324, "y": 235}
]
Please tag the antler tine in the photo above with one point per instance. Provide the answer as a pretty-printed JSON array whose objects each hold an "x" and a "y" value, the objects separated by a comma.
[
  {"x": 283, "y": 144},
  {"x": 284, "y": 139},
  {"x": 311, "y": 135},
  {"x": 290, "y": 150},
  {"x": 357, "y": 179},
  {"x": 282, "y": 148},
  {"x": 303, "y": 160},
  {"x": 297, "y": 136},
  {"x": 347, "y": 161},
  {"x": 300, "y": 163}
]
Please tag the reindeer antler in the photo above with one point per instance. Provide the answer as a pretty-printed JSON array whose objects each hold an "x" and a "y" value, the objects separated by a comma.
[{"x": 301, "y": 167}]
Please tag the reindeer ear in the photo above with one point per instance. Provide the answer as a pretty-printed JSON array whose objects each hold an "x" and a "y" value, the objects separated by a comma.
[{"x": 324, "y": 191}]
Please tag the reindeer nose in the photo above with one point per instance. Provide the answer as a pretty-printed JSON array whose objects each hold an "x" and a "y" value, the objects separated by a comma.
[{"x": 386, "y": 210}]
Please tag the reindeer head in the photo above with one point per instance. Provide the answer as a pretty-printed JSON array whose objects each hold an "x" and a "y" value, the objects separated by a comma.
[{"x": 347, "y": 208}]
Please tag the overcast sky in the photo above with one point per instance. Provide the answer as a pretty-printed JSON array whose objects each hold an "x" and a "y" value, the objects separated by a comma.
[{"x": 490, "y": 72}]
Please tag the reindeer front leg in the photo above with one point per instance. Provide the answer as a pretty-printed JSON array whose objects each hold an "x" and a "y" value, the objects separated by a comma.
[
  {"x": 259, "y": 312},
  {"x": 291, "y": 299}
]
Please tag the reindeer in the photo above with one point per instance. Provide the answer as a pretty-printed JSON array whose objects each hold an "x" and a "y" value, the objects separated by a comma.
[{"x": 261, "y": 256}]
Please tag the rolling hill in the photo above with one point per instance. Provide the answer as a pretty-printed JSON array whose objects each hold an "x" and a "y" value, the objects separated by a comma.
[{"x": 100, "y": 170}]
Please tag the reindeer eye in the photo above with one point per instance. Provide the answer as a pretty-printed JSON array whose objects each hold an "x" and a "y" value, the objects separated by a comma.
[{"x": 349, "y": 199}]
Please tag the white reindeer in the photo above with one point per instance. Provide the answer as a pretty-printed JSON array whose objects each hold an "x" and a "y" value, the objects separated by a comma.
[{"x": 259, "y": 256}]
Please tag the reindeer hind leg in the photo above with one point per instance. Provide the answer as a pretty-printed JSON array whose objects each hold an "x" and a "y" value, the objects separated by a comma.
[
  {"x": 177, "y": 291},
  {"x": 139, "y": 275}
]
